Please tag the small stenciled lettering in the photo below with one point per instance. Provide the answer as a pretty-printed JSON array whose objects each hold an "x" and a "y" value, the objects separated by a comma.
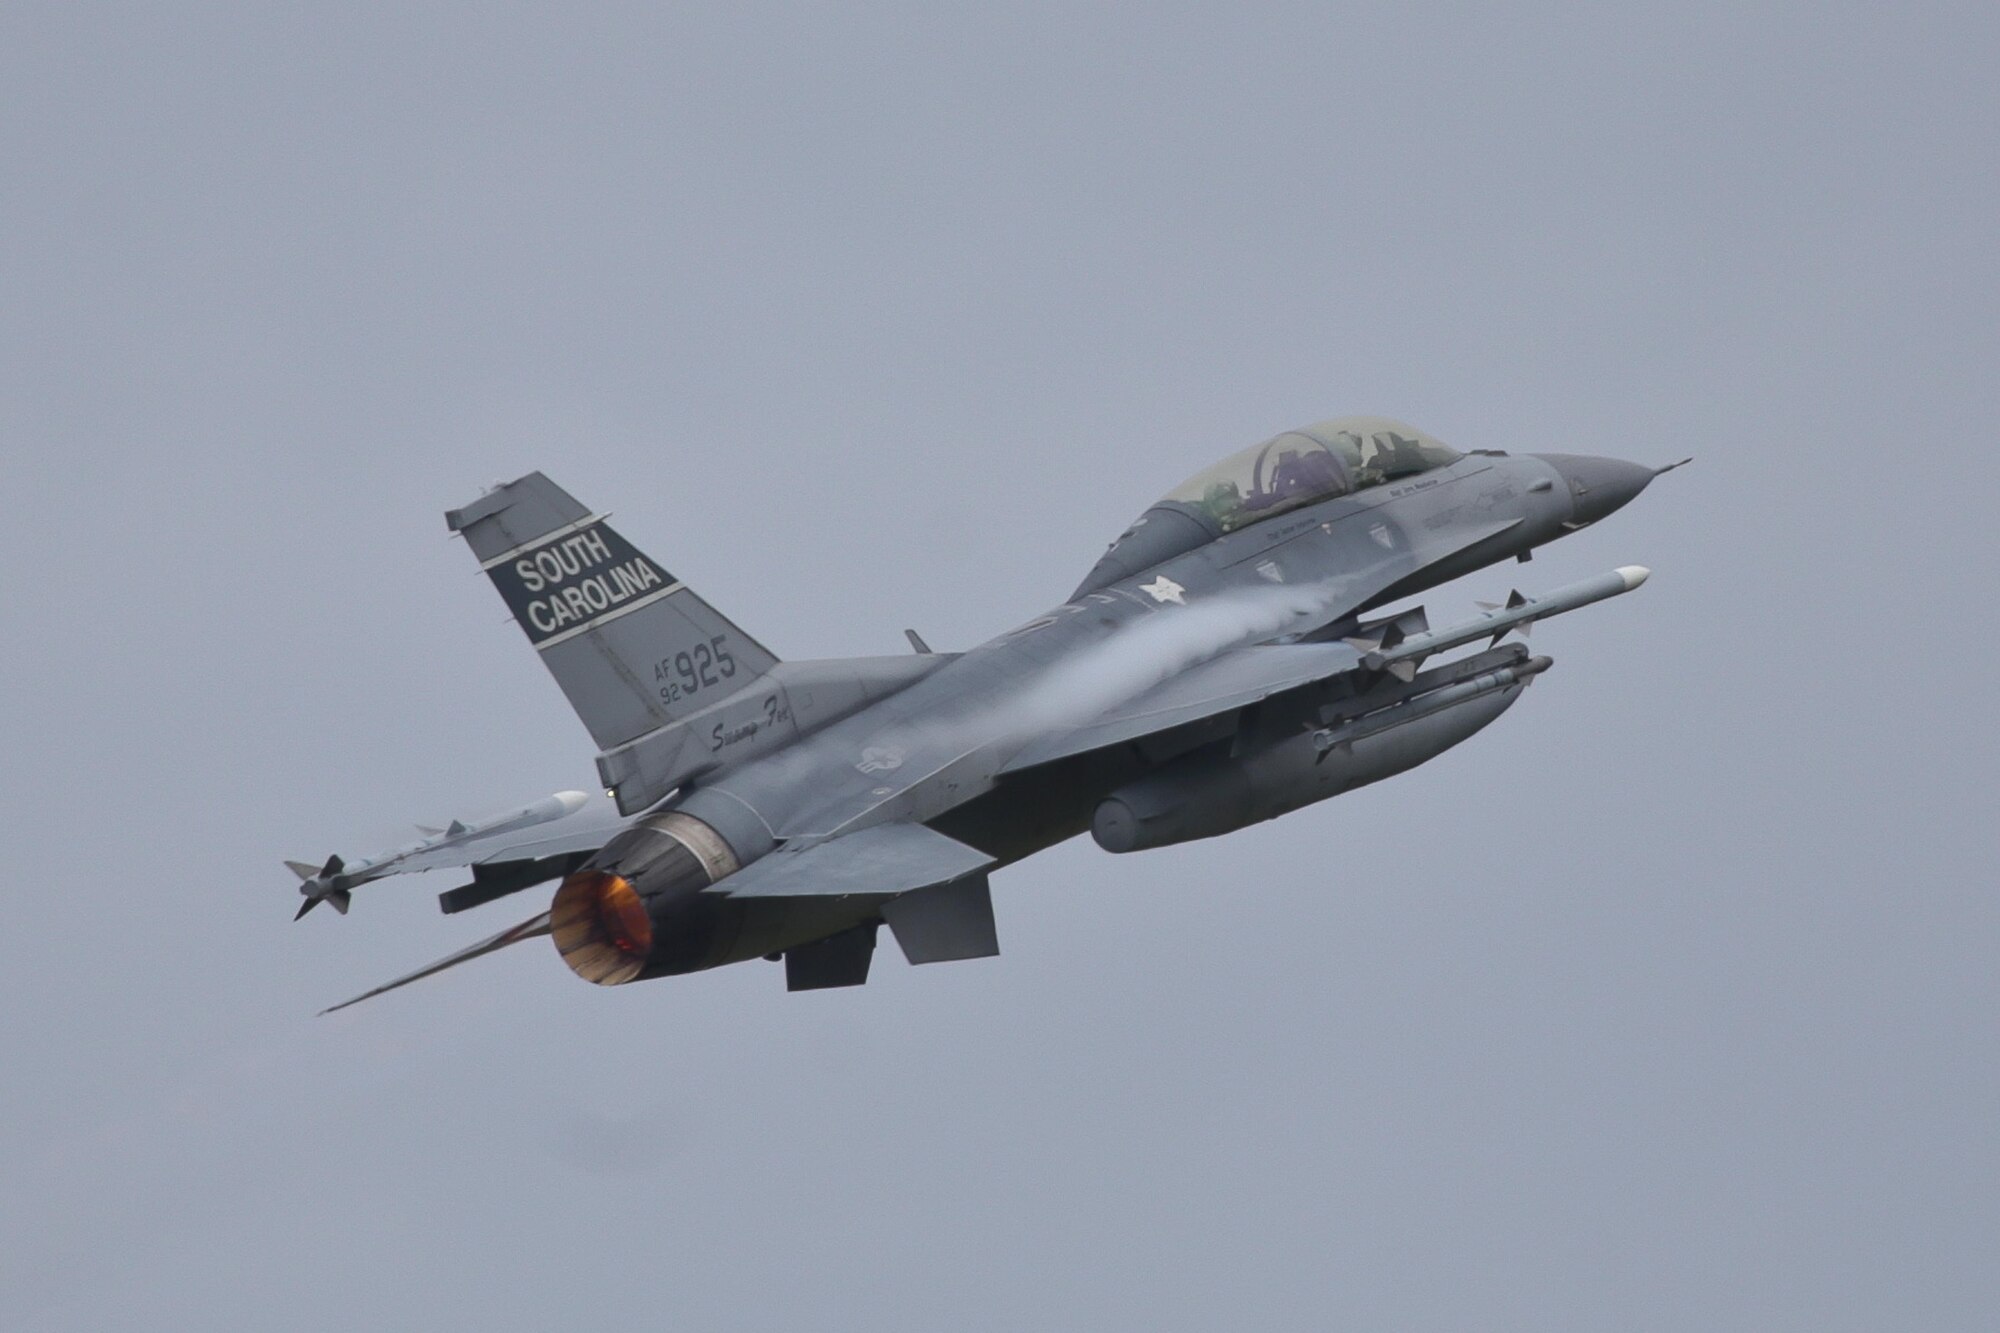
[
  {"x": 771, "y": 711},
  {"x": 724, "y": 735}
]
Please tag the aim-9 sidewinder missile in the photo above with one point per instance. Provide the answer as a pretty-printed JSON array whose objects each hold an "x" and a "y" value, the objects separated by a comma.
[{"x": 335, "y": 881}]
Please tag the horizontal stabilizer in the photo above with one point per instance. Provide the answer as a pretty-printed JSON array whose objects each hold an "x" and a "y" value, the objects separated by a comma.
[
  {"x": 527, "y": 930},
  {"x": 885, "y": 861}
]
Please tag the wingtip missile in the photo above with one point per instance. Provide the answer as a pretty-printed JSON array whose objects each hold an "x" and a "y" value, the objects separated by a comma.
[
  {"x": 321, "y": 884},
  {"x": 335, "y": 881},
  {"x": 340, "y": 898}
]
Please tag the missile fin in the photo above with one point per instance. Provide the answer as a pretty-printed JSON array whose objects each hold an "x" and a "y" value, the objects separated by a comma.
[{"x": 326, "y": 878}]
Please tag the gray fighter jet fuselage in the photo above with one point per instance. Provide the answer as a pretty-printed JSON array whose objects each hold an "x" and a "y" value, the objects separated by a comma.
[{"x": 1216, "y": 668}]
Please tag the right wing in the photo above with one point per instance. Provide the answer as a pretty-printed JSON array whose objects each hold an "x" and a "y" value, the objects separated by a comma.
[
  {"x": 1223, "y": 684},
  {"x": 1395, "y": 646}
]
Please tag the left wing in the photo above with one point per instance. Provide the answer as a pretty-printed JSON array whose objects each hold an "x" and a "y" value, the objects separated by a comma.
[
  {"x": 527, "y": 930},
  {"x": 932, "y": 891},
  {"x": 507, "y": 852}
]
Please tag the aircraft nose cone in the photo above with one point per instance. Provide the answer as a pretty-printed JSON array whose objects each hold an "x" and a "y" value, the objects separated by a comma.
[{"x": 1598, "y": 487}]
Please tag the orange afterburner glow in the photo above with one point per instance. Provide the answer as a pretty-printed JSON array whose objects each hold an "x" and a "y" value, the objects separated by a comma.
[{"x": 601, "y": 927}]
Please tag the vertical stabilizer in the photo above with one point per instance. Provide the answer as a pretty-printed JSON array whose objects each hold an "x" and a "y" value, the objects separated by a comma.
[{"x": 632, "y": 647}]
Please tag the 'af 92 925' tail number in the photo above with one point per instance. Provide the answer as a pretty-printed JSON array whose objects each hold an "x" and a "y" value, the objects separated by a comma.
[{"x": 693, "y": 670}]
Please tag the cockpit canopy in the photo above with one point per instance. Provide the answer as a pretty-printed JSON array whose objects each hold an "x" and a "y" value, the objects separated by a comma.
[
  {"x": 1299, "y": 468},
  {"x": 1307, "y": 465}
]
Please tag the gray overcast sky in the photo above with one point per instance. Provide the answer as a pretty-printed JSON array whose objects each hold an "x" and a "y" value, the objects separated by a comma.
[{"x": 1669, "y": 1002}]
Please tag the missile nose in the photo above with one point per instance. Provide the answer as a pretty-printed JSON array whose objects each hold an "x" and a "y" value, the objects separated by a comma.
[{"x": 1598, "y": 487}]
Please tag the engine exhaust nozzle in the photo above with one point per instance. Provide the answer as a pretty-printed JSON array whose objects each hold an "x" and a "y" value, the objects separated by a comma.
[
  {"x": 635, "y": 909},
  {"x": 601, "y": 927}
]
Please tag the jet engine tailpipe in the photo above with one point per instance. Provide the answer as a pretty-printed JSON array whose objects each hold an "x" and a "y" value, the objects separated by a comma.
[{"x": 636, "y": 907}]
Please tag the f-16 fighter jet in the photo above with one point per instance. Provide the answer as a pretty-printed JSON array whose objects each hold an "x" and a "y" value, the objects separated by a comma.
[{"x": 1218, "y": 667}]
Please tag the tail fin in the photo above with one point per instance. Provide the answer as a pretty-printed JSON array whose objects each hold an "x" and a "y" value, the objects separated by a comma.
[{"x": 631, "y": 646}]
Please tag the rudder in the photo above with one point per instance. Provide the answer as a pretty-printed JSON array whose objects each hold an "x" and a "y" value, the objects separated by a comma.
[{"x": 632, "y": 647}]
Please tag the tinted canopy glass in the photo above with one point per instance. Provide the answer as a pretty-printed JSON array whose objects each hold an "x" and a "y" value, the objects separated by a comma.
[{"x": 1304, "y": 466}]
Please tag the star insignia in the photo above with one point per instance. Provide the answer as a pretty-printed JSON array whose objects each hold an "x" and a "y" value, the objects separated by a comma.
[{"x": 1164, "y": 589}]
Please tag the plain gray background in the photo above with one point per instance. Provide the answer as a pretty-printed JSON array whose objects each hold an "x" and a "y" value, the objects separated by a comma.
[{"x": 1669, "y": 1002}]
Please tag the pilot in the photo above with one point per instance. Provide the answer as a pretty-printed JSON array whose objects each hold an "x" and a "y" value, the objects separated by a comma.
[
  {"x": 1400, "y": 457},
  {"x": 1223, "y": 502},
  {"x": 1306, "y": 476},
  {"x": 1374, "y": 463}
]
